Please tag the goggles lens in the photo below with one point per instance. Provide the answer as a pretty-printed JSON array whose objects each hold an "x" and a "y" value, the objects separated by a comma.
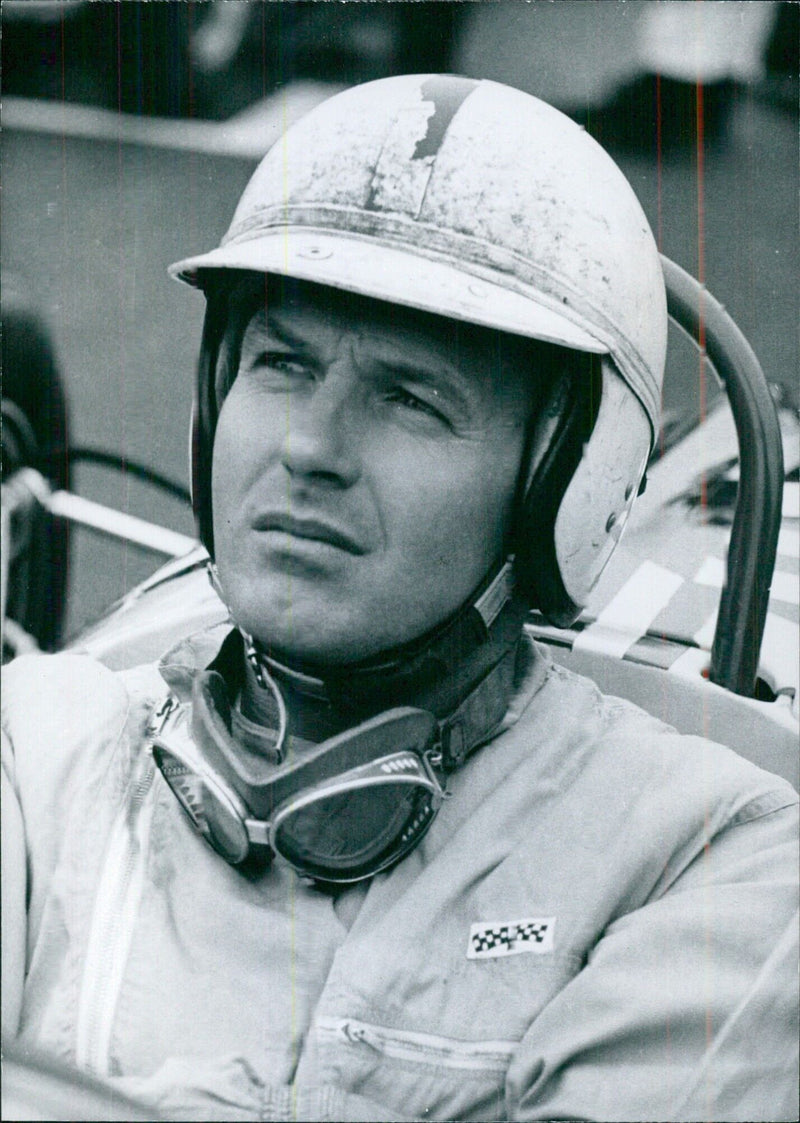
[{"x": 358, "y": 826}]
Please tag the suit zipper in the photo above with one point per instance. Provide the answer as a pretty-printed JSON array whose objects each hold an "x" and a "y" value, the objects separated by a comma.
[
  {"x": 113, "y": 920},
  {"x": 425, "y": 1048}
]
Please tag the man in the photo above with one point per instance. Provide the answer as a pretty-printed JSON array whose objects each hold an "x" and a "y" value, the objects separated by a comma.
[{"x": 428, "y": 388}]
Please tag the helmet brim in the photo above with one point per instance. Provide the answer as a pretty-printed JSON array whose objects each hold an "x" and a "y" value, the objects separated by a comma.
[{"x": 393, "y": 274}]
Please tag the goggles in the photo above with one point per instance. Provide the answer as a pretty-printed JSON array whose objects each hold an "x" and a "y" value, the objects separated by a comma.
[{"x": 352, "y": 806}]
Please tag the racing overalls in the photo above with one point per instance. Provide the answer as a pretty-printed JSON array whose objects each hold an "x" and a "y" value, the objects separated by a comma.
[{"x": 599, "y": 924}]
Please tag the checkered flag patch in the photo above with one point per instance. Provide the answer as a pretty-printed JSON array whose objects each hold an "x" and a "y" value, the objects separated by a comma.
[{"x": 498, "y": 938}]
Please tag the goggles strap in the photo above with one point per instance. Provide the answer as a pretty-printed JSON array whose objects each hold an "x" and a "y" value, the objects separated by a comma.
[
  {"x": 477, "y": 718},
  {"x": 267, "y": 682}
]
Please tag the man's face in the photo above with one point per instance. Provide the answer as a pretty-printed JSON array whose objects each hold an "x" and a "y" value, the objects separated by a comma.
[{"x": 365, "y": 463}]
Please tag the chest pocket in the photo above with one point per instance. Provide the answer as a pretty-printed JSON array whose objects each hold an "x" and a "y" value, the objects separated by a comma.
[{"x": 421, "y": 1074}]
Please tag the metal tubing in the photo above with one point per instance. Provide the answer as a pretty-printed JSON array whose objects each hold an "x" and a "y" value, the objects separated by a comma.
[
  {"x": 149, "y": 536},
  {"x": 754, "y": 534},
  {"x": 28, "y": 486}
]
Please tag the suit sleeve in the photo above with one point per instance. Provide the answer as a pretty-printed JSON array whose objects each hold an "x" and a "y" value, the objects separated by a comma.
[{"x": 686, "y": 1008}]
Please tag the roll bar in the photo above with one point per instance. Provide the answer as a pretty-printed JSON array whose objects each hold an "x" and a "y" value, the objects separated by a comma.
[{"x": 754, "y": 535}]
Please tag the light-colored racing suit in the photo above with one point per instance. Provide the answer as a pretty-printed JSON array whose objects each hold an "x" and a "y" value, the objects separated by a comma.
[{"x": 599, "y": 925}]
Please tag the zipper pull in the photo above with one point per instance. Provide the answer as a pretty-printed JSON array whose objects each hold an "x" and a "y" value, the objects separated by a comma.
[
  {"x": 356, "y": 1034},
  {"x": 160, "y": 716}
]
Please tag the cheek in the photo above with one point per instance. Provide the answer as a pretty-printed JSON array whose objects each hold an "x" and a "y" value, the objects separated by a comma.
[
  {"x": 456, "y": 509},
  {"x": 481, "y": 510},
  {"x": 223, "y": 478},
  {"x": 241, "y": 447}
]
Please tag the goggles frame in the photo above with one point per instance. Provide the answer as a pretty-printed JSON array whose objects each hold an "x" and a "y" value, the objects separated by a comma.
[{"x": 225, "y": 821}]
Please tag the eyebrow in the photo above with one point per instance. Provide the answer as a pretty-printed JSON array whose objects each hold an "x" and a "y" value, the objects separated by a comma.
[
  {"x": 443, "y": 377},
  {"x": 268, "y": 326}
]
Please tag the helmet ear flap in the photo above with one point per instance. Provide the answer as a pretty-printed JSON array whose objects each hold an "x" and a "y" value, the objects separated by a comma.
[
  {"x": 204, "y": 416},
  {"x": 558, "y": 434},
  {"x": 227, "y": 306},
  {"x": 195, "y": 474}
]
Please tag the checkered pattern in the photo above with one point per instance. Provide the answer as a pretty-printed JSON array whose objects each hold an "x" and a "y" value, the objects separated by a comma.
[
  {"x": 493, "y": 940},
  {"x": 506, "y": 936}
]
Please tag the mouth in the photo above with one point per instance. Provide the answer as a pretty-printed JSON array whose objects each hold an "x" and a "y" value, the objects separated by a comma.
[{"x": 308, "y": 529}]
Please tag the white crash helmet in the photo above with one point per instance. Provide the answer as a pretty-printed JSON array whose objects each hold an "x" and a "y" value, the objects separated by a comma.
[{"x": 481, "y": 203}]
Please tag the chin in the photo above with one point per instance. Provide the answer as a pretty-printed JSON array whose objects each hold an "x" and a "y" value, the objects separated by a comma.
[
  {"x": 303, "y": 641},
  {"x": 320, "y": 631},
  {"x": 296, "y": 635}
]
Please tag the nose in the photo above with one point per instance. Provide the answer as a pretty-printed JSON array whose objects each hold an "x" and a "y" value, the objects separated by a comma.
[{"x": 322, "y": 426}]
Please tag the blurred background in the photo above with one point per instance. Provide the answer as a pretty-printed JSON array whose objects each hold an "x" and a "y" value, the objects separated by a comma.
[{"x": 130, "y": 129}]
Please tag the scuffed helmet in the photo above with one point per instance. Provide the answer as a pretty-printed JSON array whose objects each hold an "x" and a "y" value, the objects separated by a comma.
[{"x": 478, "y": 202}]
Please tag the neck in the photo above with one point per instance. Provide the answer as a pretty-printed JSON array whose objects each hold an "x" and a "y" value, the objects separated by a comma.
[{"x": 473, "y": 651}]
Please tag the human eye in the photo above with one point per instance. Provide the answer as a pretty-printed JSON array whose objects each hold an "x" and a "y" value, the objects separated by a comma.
[
  {"x": 421, "y": 403},
  {"x": 288, "y": 364},
  {"x": 280, "y": 367}
]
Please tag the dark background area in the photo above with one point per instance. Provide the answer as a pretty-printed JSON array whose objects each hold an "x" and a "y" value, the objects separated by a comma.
[{"x": 90, "y": 224}]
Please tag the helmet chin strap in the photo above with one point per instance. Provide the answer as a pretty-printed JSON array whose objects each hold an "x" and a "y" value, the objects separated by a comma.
[{"x": 449, "y": 671}]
